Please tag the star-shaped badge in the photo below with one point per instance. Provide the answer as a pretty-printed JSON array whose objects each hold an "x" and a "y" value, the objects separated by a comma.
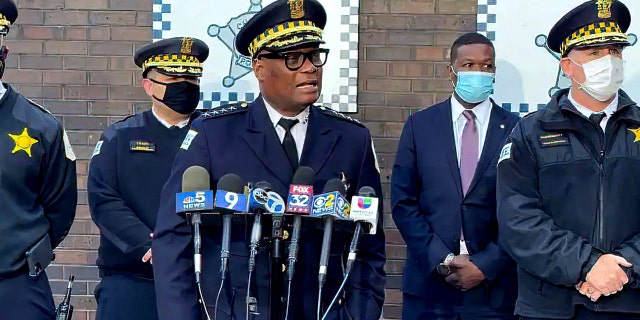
[
  {"x": 636, "y": 132},
  {"x": 23, "y": 142}
]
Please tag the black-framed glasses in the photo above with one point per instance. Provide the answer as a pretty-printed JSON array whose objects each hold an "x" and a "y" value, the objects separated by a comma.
[{"x": 295, "y": 59}]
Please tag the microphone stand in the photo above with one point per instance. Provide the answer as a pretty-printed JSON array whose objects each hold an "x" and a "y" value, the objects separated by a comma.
[{"x": 277, "y": 260}]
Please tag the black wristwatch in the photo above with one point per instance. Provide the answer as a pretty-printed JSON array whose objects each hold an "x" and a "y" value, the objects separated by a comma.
[{"x": 443, "y": 267}]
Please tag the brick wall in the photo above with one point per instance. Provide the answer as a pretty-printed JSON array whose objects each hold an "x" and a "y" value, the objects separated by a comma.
[
  {"x": 404, "y": 49},
  {"x": 75, "y": 58}
]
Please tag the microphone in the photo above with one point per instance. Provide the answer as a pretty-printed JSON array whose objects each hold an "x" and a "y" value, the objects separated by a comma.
[
  {"x": 329, "y": 205},
  {"x": 194, "y": 202},
  {"x": 229, "y": 200},
  {"x": 258, "y": 199},
  {"x": 364, "y": 211},
  {"x": 299, "y": 203}
]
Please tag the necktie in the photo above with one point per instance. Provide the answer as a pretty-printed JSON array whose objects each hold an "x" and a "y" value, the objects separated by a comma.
[
  {"x": 468, "y": 150},
  {"x": 596, "y": 118},
  {"x": 288, "y": 143}
]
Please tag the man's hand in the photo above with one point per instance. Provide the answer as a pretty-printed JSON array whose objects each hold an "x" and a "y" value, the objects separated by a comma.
[
  {"x": 464, "y": 274},
  {"x": 148, "y": 257},
  {"x": 607, "y": 276},
  {"x": 588, "y": 290}
]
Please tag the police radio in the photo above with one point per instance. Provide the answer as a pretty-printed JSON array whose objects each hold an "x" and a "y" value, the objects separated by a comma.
[{"x": 64, "y": 311}]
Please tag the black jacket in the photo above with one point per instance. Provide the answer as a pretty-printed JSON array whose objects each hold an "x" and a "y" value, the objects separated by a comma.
[
  {"x": 567, "y": 194},
  {"x": 37, "y": 180}
]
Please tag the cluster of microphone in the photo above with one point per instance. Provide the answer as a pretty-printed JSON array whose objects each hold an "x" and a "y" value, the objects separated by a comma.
[{"x": 232, "y": 197}]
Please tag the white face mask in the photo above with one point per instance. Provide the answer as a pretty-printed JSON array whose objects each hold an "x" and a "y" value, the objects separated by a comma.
[{"x": 604, "y": 77}]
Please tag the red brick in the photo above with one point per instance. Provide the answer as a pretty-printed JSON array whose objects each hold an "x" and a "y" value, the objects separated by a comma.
[
  {"x": 414, "y": 100},
  {"x": 86, "y": 63},
  {"x": 383, "y": 114},
  {"x": 373, "y": 37},
  {"x": 388, "y": 53},
  {"x": 39, "y": 91},
  {"x": 65, "y": 47},
  {"x": 86, "y": 92},
  {"x": 75, "y": 33},
  {"x": 40, "y": 62},
  {"x": 389, "y": 85},
  {"x": 124, "y": 63},
  {"x": 130, "y": 33},
  {"x": 66, "y": 18},
  {"x": 128, "y": 93},
  {"x": 447, "y": 38},
  {"x": 30, "y": 17},
  {"x": 75, "y": 257},
  {"x": 41, "y": 33},
  {"x": 375, "y": 6},
  {"x": 372, "y": 69},
  {"x": 67, "y": 107},
  {"x": 65, "y": 77},
  {"x": 138, "y": 5},
  {"x": 418, "y": 38},
  {"x": 413, "y": 6},
  {"x": 411, "y": 69},
  {"x": 84, "y": 123},
  {"x": 425, "y": 53},
  {"x": 86, "y": 4},
  {"x": 41, "y": 4},
  {"x": 115, "y": 78},
  {"x": 457, "y": 6},
  {"x": 112, "y": 48},
  {"x": 24, "y": 46},
  {"x": 22, "y": 76},
  {"x": 110, "y": 108},
  {"x": 144, "y": 19},
  {"x": 113, "y": 18},
  {"x": 432, "y": 85},
  {"x": 99, "y": 33}
]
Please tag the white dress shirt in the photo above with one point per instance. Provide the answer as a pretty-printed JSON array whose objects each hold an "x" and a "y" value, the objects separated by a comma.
[
  {"x": 180, "y": 124},
  {"x": 298, "y": 131},
  {"x": 608, "y": 111},
  {"x": 2, "y": 90},
  {"x": 482, "y": 112}
]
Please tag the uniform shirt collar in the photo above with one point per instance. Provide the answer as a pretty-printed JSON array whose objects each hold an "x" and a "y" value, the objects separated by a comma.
[
  {"x": 586, "y": 112},
  {"x": 3, "y": 90},
  {"x": 275, "y": 116},
  {"x": 482, "y": 111},
  {"x": 180, "y": 124}
]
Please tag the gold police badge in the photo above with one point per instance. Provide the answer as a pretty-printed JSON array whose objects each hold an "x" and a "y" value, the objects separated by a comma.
[{"x": 23, "y": 142}]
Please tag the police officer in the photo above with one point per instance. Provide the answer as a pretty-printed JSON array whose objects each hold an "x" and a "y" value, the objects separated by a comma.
[
  {"x": 38, "y": 193},
  {"x": 129, "y": 166},
  {"x": 567, "y": 180},
  {"x": 283, "y": 41}
]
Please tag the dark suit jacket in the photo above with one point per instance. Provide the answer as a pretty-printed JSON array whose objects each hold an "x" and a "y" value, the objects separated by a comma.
[
  {"x": 244, "y": 142},
  {"x": 429, "y": 208}
]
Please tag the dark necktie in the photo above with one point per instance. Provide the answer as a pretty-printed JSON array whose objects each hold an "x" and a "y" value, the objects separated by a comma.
[
  {"x": 288, "y": 143},
  {"x": 468, "y": 150},
  {"x": 596, "y": 118}
]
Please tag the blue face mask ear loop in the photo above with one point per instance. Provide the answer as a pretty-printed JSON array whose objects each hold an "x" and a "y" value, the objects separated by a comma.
[{"x": 454, "y": 72}]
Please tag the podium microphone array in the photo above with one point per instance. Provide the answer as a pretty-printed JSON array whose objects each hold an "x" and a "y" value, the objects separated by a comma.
[{"x": 230, "y": 198}]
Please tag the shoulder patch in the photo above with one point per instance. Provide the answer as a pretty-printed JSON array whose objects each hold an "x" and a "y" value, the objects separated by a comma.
[
  {"x": 33, "y": 103},
  {"x": 188, "y": 139},
  {"x": 335, "y": 114},
  {"x": 226, "y": 110},
  {"x": 505, "y": 154},
  {"x": 68, "y": 150},
  {"x": 97, "y": 149}
]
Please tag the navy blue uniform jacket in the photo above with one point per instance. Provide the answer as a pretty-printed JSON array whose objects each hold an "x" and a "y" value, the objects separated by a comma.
[
  {"x": 567, "y": 194},
  {"x": 429, "y": 208},
  {"x": 37, "y": 180},
  {"x": 244, "y": 142}
]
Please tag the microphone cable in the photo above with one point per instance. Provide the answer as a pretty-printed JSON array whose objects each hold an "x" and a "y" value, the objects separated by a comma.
[
  {"x": 215, "y": 310},
  {"x": 286, "y": 314},
  {"x": 248, "y": 291},
  {"x": 196, "y": 220}
]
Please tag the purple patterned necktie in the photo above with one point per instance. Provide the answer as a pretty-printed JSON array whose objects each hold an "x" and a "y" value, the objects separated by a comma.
[{"x": 468, "y": 150}]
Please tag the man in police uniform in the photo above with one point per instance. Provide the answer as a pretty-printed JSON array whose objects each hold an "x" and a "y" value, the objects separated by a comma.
[
  {"x": 283, "y": 41},
  {"x": 567, "y": 190},
  {"x": 38, "y": 192},
  {"x": 130, "y": 164}
]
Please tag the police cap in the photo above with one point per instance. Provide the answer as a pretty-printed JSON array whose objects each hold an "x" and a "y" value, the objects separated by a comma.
[
  {"x": 181, "y": 56},
  {"x": 593, "y": 23},
  {"x": 283, "y": 24}
]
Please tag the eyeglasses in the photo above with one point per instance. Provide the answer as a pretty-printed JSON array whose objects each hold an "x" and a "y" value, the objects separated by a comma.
[{"x": 295, "y": 59}]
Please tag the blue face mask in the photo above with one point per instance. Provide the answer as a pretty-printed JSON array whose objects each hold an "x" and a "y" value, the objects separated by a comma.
[{"x": 474, "y": 86}]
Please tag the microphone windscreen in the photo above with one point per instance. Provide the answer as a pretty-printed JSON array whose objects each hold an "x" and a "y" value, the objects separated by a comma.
[
  {"x": 304, "y": 176},
  {"x": 367, "y": 191},
  {"x": 263, "y": 185},
  {"x": 231, "y": 182},
  {"x": 334, "y": 184},
  {"x": 195, "y": 178}
]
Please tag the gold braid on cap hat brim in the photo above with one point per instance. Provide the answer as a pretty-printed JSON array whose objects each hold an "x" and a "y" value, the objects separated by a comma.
[
  {"x": 175, "y": 63},
  {"x": 599, "y": 32},
  {"x": 287, "y": 29}
]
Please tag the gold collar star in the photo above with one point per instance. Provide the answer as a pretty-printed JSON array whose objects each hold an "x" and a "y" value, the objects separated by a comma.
[
  {"x": 636, "y": 132},
  {"x": 23, "y": 142}
]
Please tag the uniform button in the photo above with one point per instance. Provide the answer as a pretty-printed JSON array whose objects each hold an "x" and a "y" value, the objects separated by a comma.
[
  {"x": 285, "y": 235},
  {"x": 284, "y": 267}
]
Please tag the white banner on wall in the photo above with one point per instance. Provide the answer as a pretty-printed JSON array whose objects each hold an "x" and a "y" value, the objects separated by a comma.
[
  {"x": 526, "y": 71},
  {"x": 227, "y": 76}
]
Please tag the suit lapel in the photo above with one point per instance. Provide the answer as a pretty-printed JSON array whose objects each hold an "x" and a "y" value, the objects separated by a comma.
[
  {"x": 261, "y": 137},
  {"x": 449, "y": 146},
  {"x": 319, "y": 142},
  {"x": 496, "y": 134}
]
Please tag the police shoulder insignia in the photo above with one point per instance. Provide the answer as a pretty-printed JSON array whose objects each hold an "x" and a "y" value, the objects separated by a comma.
[
  {"x": 23, "y": 142},
  {"x": 68, "y": 150},
  {"x": 505, "y": 154},
  {"x": 636, "y": 134},
  {"x": 226, "y": 110},
  {"x": 96, "y": 150},
  {"x": 335, "y": 114},
  {"x": 188, "y": 139}
]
